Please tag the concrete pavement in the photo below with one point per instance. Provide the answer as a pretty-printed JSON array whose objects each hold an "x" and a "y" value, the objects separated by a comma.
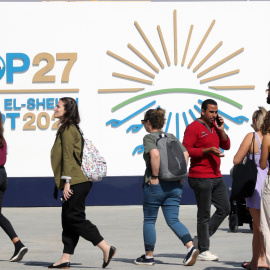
[{"x": 121, "y": 226}]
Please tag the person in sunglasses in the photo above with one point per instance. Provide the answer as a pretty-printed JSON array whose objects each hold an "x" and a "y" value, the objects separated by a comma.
[{"x": 159, "y": 193}]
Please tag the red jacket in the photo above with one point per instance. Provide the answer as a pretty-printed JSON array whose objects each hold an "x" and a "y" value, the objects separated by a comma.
[{"x": 198, "y": 136}]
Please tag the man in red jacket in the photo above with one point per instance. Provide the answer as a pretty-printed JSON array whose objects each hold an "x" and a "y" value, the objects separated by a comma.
[{"x": 202, "y": 139}]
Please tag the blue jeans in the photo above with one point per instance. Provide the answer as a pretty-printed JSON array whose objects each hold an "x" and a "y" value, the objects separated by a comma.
[{"x": 168, "y": 196}]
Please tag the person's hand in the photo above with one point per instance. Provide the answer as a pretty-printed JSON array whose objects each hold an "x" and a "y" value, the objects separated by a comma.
[
  {"x": 221, "y": 126},
  {"x": 154, "y": 181},
  {"x": 215, "y": 151},
  {"x": 67, "y": 192}
]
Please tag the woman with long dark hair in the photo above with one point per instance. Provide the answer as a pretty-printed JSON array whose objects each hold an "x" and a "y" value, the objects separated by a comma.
[
  {"x": 70, "y": 178},
  {"x": 20, "y": 249}
]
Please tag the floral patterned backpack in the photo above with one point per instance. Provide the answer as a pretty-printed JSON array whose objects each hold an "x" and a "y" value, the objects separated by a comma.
[{"x": 93, "y": 164}]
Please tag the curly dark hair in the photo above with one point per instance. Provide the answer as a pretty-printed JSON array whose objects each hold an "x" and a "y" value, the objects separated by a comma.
[
  {"x": 265, "y": 127},
  {"x": 71, "y": 115},
  {"x": 156, "y": 117}
]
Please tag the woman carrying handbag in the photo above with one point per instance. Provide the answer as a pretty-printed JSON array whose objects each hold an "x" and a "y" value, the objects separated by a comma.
[{"x": 253, "y": 202}]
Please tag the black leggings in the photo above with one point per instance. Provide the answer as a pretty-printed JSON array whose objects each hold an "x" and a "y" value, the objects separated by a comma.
[
  {"x": 74, "y": 222},
  {"x": 4, "y": 222}
]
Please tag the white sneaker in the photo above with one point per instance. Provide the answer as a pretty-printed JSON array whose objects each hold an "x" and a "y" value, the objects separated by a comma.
[
  {"x": 195, "y": 242},
  {"x": 207, "y": 256}
]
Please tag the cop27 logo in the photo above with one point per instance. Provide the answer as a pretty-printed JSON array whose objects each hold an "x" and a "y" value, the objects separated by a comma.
[
  {"x": 41, "y": 75},
  {"x": 17, "y": 63},
  {"x": 201, "y": 67}
]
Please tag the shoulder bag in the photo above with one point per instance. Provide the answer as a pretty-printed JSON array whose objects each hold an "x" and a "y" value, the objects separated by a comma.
[{"x": 244, "y": 177}]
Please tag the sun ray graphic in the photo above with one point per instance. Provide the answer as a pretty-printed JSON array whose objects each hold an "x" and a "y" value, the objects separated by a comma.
[{"x": 152, "y": 71}]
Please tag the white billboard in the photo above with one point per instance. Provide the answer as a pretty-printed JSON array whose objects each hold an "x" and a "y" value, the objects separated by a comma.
[{"x": 120, "y": 59}]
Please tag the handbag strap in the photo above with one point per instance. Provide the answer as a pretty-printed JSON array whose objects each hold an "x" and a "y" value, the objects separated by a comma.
[
  {"x": 258, "y": 142},
  {"x": 80, "y": 131},
  {"x": 252, "y": 142}
]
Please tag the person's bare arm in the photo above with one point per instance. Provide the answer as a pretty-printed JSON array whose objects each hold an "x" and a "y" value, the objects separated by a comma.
[
  {"x": 265, "y": 151},
  {"x": 243, "y": 149},
  {"x": 155, "y": 163},
  {"x": 186, "y": 155}
]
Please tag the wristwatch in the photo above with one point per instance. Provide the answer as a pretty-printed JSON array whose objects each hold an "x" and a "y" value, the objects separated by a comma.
[
  {"x": 154, "y": 176},
  {"x": 67, "y": 181}
]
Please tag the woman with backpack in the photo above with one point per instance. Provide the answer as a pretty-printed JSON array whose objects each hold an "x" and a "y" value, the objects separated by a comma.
[
  {"x": 20, "y": 249},
  {"x": 159, "y": 193},
  {"x": 70, "y": 178}
]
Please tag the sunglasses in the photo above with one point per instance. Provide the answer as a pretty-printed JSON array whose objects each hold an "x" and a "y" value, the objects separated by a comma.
[{"x": 143, "y": 121}]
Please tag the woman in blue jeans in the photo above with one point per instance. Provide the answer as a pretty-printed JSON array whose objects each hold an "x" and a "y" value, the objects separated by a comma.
[{"x": 158, "y": 193}]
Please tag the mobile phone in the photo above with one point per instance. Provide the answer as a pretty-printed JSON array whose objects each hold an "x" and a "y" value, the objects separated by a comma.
[
  {"x": 62, "y": 199},
  {"x": 218, "y": 121}
]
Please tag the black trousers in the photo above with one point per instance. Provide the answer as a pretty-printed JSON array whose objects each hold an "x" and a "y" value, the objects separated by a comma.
[
  {"x": 4, "y": 222},
  {"x": 208, "y": 191},
  {"x": 74, "y": 222}
]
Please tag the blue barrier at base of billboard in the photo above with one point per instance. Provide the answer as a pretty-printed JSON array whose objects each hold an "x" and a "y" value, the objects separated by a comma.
[{"x": 115, "y": 190}]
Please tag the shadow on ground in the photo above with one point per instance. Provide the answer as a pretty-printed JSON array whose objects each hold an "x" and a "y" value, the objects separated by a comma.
[
  {"x": 46, "y": 264},
  {"x": 131, "y": 261}
]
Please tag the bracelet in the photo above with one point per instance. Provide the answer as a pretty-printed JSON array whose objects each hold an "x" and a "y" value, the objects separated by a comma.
[
  {"x": 67, "y": 181},
  {"x": 154, "y": 176}
]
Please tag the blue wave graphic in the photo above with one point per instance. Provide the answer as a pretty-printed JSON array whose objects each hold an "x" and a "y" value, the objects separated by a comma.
[{"x": 138, "y": 149}]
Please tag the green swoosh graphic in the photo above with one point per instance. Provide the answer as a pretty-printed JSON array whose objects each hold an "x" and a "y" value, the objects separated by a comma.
[{"x": 176, "y": 90}]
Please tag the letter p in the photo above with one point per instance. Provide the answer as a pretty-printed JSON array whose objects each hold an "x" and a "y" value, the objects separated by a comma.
[{"x": 10, "y": 69}]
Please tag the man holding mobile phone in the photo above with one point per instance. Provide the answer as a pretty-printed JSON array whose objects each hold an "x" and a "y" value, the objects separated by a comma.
[{"x": 202, "y": 139}]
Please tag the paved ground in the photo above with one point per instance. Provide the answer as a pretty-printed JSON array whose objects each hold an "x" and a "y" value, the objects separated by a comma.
[{"x": 121, "y": 226}]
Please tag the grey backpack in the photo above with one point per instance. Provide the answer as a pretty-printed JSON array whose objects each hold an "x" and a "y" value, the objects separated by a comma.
[{"x": 173, "y": 165}]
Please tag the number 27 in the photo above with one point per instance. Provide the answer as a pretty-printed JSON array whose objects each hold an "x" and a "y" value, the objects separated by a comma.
[{"x": 40, "y": 75}]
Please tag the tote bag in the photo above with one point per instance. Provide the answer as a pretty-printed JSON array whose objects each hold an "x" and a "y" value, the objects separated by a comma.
[{"x": 244, "y": 177}]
